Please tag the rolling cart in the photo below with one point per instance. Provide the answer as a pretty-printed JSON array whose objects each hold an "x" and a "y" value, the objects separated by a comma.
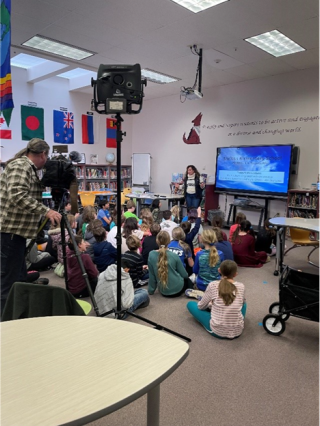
[{"x": 298, "y": 297}]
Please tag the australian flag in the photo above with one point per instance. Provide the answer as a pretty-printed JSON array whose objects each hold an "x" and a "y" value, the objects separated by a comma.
[{"x": 63, "y": 127}]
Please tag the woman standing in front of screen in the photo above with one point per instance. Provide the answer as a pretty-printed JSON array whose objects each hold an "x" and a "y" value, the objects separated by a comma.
[{"x": 193, "y": 185}]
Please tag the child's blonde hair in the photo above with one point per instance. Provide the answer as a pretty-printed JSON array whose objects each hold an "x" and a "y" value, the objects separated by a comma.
[
  {"x": 133, "y": 242},
  {"x": 146, "y": 216},
  {"x": 208, "y": 237},
  {"x": 175, "y": 211},
  {"x": 130, "y": 204},
  {"x": 227, "y": 290},
  {"x": 163, "y": 239}
]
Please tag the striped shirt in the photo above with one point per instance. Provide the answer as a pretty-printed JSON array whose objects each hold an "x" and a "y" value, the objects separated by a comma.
[
  {"x": 135, "y": 261},
  {"x": 226, "y": 321},
  {"x": 21, "y": 199}
]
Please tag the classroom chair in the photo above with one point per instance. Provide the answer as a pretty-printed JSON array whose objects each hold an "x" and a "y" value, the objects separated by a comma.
[
  {"x": 36, "y": 300},
  {"x": 301, "y": 238},
  {"x": 87, "y": 198}
]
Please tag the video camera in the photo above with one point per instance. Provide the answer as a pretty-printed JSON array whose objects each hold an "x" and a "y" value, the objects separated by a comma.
[{"x": 117, "y": 89}]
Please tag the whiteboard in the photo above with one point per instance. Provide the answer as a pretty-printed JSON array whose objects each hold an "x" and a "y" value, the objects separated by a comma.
[{"x": 141, "y": 169}]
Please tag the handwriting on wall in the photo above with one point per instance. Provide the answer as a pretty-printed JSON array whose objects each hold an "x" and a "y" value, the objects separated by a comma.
[{"x": 294, "y": 125}]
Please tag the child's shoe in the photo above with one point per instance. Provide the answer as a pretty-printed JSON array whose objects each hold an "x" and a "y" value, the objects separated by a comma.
[{"x": 195, "y": 294}]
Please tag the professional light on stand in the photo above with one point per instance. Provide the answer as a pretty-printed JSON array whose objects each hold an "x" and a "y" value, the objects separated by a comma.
[{"x": 119, "y": 90}]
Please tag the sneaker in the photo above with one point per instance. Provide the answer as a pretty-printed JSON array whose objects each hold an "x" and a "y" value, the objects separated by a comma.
[
  {"x": 142, "y": 282},
  {"x": 43, "y": 281},
  {"x": 195, "y": 294},
  {"x": 193, "y": 278}
]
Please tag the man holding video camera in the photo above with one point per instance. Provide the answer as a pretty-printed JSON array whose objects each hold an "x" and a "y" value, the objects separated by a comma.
[{"x": 21, "y": 211}]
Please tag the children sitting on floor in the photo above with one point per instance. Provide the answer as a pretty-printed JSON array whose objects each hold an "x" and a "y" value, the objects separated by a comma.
[
  {"x": 181, "y": 248},
  {"x": 138, "y": 272},
  {"x": 223, "y": 245},
  {"x": 217, "y": 222},
  {"x": 207, "y": 262},
  {"x": 155, "y": 210},
  {"x": 166, "y": 271},
  {"x": 222, "y": 307},
  {"x": 76, "y": 282},
  {"x": 131, "y": 207},
  {"x": 104, "y": 254},
  {"x": 266, "y": 239},
  {"x": 239, "y": 218},
  {"x": 243, "y": 247},
  {"x": 104, "y": 214},
  {"x": 167, "y": 224},
  {"x": 106, "y": 291},
  {"x": 150, "y": 243}
]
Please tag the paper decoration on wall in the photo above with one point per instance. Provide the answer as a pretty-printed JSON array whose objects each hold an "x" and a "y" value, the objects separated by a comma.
[
  {"x": 194, "y": 135},
  {"x": 87, "y": 129},
  {"x": 32, "y": 123},
  {"x": 111, "y": 133},
  {"x": 63, "y": 127},
  {"x": 6, "y": 101},
  {"x": 5, "y": 132}
]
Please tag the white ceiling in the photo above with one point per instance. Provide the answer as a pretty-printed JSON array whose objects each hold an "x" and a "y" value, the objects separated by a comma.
[{"x": 157, "y": 34}]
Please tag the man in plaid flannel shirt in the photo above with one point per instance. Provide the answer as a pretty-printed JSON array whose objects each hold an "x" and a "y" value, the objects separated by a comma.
[{"x": 21, "y": 211}]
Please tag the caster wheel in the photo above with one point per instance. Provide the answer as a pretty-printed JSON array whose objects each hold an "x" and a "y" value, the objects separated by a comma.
[
  {"x": 274, "y": 324},
  {"x": 275, "y": 309},
  {"x": 276, "y": 273}
]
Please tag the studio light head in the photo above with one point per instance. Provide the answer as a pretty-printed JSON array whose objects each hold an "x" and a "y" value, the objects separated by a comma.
[{"x": 117, "y": 89}]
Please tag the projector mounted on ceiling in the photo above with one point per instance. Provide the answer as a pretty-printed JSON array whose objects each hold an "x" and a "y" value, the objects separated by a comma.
[{"x": 191, "y": 94}]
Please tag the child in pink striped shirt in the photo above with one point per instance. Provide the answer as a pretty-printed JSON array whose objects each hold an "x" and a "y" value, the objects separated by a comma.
[{"x": 222, "y": 307}]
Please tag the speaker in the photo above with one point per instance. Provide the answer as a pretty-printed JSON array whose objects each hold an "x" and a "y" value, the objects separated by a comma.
[{"x": 295, "y": 160}]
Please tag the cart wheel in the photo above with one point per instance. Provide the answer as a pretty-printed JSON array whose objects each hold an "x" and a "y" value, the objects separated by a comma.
[
  {"x": 276, "y": 273},
  {"x": 273, "y": 324},
  {"x": 275, "y": 309}
]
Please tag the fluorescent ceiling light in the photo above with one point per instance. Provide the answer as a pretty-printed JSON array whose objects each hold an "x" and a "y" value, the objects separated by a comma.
[
  {"x": 77, "y": 72},
  {"x": 57, "y": 48},
  {"x": 198, "y": 5},
  {"x": 275, "y": 43},
  {"x": 157, "y": 77},
  {"x": 26, "y": 61}
]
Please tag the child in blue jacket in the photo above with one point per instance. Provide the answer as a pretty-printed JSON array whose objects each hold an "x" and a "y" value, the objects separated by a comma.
[{"x": 104, "y": 254}]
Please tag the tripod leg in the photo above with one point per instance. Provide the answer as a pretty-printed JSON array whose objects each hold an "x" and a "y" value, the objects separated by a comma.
[
  {"x": 64, "y": 244},
  {"x": 78, "y": 255}
]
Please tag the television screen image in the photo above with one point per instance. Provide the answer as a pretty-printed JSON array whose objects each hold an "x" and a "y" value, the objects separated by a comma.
[{"x": 256, "y": 170}]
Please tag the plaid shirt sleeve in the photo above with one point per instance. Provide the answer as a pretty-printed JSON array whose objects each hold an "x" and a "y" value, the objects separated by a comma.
[{"x": 21, "y": 199}]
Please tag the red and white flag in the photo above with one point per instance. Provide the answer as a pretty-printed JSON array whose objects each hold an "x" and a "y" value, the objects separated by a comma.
[{"x": 5, "y": 132}]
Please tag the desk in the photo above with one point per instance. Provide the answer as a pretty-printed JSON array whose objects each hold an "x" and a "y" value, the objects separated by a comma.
[
  {"x": 169, "y": 197},
  {"x": 282, "y": 223},
  {"x": 74, "y": 370}
]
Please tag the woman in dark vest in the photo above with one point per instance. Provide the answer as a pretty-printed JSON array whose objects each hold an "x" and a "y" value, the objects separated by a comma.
[{"x": 193, "y": 185}]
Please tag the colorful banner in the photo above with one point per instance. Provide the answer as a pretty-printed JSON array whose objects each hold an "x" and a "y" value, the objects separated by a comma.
[
  {"x": 111, "y": 133},
  {"x": 63, "y": 127},
  {"x": 6, "y": 101},
  {"x": 32, "y": 123},
  {"x": 5, "y": 132},
  {"x": 87, "y": 129}
]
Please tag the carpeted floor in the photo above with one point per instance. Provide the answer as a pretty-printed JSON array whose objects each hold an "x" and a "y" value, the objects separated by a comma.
[{"x": 256, "y": 380}]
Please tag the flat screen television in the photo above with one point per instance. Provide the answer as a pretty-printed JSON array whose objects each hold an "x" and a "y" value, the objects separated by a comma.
[{"x": 254, "y": 170}]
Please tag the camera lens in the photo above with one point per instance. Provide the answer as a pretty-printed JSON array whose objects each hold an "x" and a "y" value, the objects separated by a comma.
[{"x": 118, "y": 79}]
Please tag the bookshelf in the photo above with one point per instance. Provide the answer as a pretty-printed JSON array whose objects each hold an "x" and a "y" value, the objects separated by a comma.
[
  {"x": 92, "y": 177},
  {"x": 303, "y": 203}
]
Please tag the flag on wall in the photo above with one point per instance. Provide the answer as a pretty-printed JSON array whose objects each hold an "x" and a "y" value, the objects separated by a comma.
[
  {"x": 5, "y": 132},
  {"x": 111, "y": 133},
  {"x": 32, "y": 123},
  {"x": 87, "y": 129},
  {"x": 63, "y": 127},
  {"x": 6, "y": 101}
]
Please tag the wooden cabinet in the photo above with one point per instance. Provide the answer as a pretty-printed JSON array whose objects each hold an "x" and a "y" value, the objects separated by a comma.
[
  {"x": 92, "y": 177},
  {"x": 303, "y": 203}
]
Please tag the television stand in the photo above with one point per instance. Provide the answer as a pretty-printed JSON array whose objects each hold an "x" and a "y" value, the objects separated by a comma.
[{"x": 251, "y": 206}]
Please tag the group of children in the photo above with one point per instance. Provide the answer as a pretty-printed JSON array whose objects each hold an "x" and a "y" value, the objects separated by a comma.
[{"x": 175, "y": 258}]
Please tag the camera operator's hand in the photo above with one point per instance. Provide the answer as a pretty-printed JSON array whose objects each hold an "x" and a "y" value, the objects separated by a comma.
[{"x": 54, "y": 217}]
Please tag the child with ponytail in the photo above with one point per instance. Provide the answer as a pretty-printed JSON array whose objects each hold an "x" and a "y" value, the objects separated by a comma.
[
  {"x": 166, "y": 271},
  {"x": 226, "y": 302},
  {"x": 208, "y": 260}
]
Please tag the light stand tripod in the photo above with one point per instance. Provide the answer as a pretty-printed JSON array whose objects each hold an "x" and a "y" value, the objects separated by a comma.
[
  {"x": 59, "y": 197},
  {"x": 119, "y": 313}
]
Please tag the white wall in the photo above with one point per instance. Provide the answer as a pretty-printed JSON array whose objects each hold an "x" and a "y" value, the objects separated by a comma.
[
  {"x": 160, "y": 126},
  {"x": 51, "y": 95}
]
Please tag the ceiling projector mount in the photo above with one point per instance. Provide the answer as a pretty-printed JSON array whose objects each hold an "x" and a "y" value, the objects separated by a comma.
[{"x": 191, "y": 92}]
